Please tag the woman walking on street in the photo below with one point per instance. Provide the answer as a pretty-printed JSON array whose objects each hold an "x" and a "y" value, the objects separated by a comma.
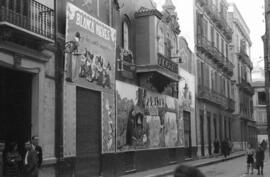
[{"x": 250, "y": 158}]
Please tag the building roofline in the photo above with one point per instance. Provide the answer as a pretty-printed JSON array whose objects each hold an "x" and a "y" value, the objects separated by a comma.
[{"x": 240, "y": 15}]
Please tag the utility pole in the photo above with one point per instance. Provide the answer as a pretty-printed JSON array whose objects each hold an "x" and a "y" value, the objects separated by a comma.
[{"x": 266, "y": 41}]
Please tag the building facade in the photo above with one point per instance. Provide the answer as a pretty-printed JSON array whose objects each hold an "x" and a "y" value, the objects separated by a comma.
[
  {"x": 240, "y": 53},
  {"x": 119, "y": 93},
  {"x": 259, "y": 104},
  {"x": 215, "y": 94},
  {"x": 28, "y": 77}
]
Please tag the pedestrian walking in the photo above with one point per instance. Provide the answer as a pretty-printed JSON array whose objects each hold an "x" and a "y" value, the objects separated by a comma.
[
  {"x": 225, "y": 148},
  {"x": 187, "y": 171},
  {"x": 260, "y": 159},
  {"x": 216, "y": 146},
  {"x": 250, "y": 159},
  {"x": 30, "y": 161},
  {"x": 38, "y": 149}
]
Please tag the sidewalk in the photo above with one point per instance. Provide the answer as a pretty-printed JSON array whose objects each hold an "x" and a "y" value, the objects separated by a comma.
[{"x": 167, "y": 170}]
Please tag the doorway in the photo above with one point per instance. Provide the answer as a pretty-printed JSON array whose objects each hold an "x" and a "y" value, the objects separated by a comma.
[
  {"x": 187, "y": 130},
  {"x": 88, "y": 130},
  {"x": 15, "y": 107},
  {"x": 209, "y": 133},
  {"x": 202, "y": 132}
]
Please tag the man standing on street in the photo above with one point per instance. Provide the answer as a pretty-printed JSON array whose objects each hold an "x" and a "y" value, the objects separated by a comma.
[
  {"x": 30, "y": 161},
  {"x": 38, "y": 150}
]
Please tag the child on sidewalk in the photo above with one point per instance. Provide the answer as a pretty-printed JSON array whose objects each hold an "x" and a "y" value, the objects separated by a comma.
[{"x": 250, "y": 158}]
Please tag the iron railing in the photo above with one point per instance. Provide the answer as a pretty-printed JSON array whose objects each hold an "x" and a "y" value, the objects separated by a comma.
[{"x": 36, "y": 18}]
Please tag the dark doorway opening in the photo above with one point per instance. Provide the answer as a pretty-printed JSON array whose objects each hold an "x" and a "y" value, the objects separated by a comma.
[
  {"x": 187, "y": 130},
  {"x": 88, "y": 130},
  {"x": 209, "y": 133},
  {"x": 202, "y": 132},
  {"x": 15, "y": 107}
]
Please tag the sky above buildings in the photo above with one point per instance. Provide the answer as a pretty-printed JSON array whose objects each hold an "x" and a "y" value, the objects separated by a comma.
[{"x": 252, "y": 12}]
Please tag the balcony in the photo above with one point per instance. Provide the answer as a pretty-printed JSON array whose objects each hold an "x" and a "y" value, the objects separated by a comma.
[
  {"x": 244, "y": 57},
  {"x": 33, "y": 18},
  {"x": 231, "y": 105},
  {"x": 245, "y": 86},
  {"x": 211, "y": 96},
  {"x": 204, "y": 94},
  {"x": 219, "y": 19},
  {"x": 205, "y": 46},
  {"x": 230, "y": 67},
  {"x": 125, "y": 63}
]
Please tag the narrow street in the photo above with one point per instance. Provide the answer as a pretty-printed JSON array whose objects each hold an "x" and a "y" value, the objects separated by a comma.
[{"x": 232, "y": 168}]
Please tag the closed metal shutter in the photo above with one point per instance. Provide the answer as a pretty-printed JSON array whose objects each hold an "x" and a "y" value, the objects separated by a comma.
[{"x": 88, "y": 133}]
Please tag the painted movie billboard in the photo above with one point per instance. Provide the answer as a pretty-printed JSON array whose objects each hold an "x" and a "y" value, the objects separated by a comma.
[
  {"x": 146, "y": 120},
  {"x": 89, "y": 50}
]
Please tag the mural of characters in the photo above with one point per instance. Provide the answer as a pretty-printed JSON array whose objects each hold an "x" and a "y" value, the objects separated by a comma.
[
  {"x": 170, "y": 131},
  {"x": 72, "y": 58},
  {"x": 108, "y": 140},
  {"x": 86, "y": 62}
]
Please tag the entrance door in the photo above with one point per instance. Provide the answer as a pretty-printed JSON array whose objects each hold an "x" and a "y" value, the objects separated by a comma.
[
  {"x": 209, "y": 133},
  {"x": 187, "y": 130},
  {"x": 202, "y": 132},
  {"x": 88, "y": 133},
  {"x": 15, "y": 107}
]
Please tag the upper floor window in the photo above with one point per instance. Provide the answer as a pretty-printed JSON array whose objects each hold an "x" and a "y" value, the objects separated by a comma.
[
  {"x": 217, "y": 40},
  {"x": 125, "y": 36},
  {"x": 160, "y": 41},
  {"x": 261, "y": 98},
  {"x": 168, "y": 46}
]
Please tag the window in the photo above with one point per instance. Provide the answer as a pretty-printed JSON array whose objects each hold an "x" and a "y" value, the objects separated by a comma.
[
  {"x": 261, "y": 98},
  {"x": 222, "y": 46},
  {"x": 212, "y": 37},
  {"x": 125, "y": 36},
  {"x": 217, "y": 41},
  {"x": 168, "y": 46},
  {"x": 205, "y": 28},
  {"x": 160, "y": 41}
]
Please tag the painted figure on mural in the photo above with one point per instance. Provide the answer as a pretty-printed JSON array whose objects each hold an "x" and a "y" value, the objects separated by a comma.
[
  {"x": 72, "y": 58},
  {"x": 108, "y": 139},
  {"x": 93, "y": 69}
]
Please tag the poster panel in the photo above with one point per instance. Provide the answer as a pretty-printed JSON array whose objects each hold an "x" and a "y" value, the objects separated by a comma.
[
  {"x": 108, "y": 123},
  {"x": 146, "y": 120},
  {"x": 89, "y": 51}
]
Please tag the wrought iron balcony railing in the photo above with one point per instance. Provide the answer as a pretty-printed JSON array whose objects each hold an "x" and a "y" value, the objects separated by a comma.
[
  {"x": 244, "y": 85},
  {"x": 167, "y": 63},
  {"x": 34, "y": 18}
]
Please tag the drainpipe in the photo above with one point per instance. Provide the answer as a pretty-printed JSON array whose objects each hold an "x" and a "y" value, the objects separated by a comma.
[{"x": 59, "y": 71}]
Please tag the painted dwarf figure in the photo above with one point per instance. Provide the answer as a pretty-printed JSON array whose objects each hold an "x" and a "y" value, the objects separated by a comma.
[{"x": 72, "y": 58}]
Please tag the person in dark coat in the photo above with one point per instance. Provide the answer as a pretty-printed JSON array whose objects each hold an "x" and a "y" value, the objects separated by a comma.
[
  {"x": 30, "y": 161},
  {"x": 38, "y": 149},
  {"x": 260, "y": 159},
  {"x": 225, "y": 149},
  {"x": 216, "y": 146},
  {"x": 187, "y": 171}
]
